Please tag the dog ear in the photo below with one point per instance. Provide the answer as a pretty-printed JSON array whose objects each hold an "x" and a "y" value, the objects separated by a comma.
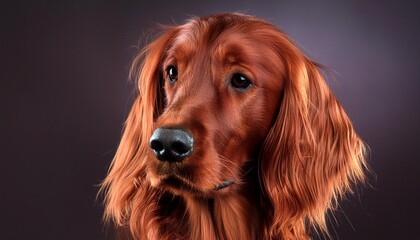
[
  {"x": 312, "y": 154},
  {"x": 127, "y": 171}
]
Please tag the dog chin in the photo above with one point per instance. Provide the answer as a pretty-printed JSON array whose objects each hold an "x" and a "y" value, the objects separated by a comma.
[{"x": 180, "y": 186}]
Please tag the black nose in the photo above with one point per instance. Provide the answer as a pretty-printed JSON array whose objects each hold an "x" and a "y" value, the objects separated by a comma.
[{"x": 172, "y": 145}]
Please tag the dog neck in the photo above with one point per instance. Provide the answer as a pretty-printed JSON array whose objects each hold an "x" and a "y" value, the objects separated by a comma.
[
  {"x": 233, "y": 214},
  {"x": 223, "y": 217}
]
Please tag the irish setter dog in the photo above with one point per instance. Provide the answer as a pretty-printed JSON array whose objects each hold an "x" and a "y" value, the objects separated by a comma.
[{"x": 234, "y": 135}]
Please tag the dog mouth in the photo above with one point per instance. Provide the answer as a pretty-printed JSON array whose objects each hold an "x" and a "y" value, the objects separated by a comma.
[
  {"x": 179, "y": 183},
  {"x": 223, "y": 185},
  {"x": 173, "y": 176}
]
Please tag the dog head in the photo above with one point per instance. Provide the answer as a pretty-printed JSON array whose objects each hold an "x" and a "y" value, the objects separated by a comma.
[{"x": 225, "y": 93}]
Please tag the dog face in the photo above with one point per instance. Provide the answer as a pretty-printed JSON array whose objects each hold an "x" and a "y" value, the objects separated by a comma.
[{"x": 222, "y": 88}]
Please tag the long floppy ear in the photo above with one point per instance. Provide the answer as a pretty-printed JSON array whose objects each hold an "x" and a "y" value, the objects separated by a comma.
[
  {"x": 126, "y": 176},
  {"x": 312, "y": 154}
]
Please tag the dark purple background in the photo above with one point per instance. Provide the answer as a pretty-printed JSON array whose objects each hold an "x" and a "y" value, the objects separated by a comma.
[{"x": 64, "y": 97}]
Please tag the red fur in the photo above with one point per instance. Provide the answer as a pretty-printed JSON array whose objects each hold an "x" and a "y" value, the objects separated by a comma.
[{"x": 285, "y": 142}]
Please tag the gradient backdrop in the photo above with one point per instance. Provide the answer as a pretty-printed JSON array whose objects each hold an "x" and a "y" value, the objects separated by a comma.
[{"x": 64, "y": 97}]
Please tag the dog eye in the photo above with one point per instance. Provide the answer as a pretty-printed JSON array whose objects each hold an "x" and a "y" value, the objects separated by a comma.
[
  {"x": 172, "y": 73},
  {"x": 240, "y": 82}
]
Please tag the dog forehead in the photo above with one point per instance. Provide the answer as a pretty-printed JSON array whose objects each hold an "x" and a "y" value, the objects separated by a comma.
[
  {"x": 204, "y": 33},
  {"x": 227, "y": 42}
]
